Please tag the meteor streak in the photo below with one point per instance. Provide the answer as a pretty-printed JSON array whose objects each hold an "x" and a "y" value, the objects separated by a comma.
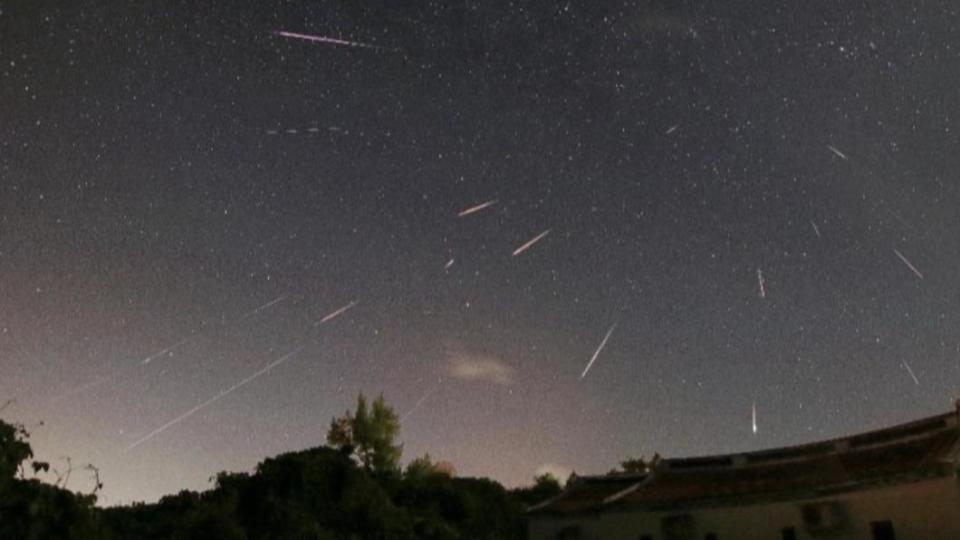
[
  {"x": 336, "y": 313},
  {"x": 417, "y": 404},
  {"x": 214, "y": 399},
  {"x": 477, "y": 208},
  {"x": 150, "y": 358},
  {"x": 270, "y": 303},
  {"x": 909, "y": 264},
  {"x": 763, "y": 288},
  {"x": 754, "y": 417},
  {"x": 596, "y": 353},
  {"x": 265, "y": 306},
  {"x": 325, "y": 39},
  {"x": 837, "y": 152},
  {"x": 530, "y": 243},
  {"x": 815, "y": 228},
  {"x": 910, "y": 371}
]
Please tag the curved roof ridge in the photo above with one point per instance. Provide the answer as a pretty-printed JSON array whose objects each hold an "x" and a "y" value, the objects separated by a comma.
[{"x": 879, "y": 437}]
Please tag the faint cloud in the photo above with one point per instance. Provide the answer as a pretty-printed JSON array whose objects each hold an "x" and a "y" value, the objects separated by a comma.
[
  {"x": 559, "y": 472},
  {"x": 479, "y": 367}
]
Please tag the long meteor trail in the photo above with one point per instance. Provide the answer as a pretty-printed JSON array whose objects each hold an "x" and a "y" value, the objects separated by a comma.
[
  {"x": 155, "y": 355},
  {"x": 336, "y": 313},
  {"x": 254, "y": 311},
  {"x": 214, "y": 399},
  {"x": 908, "y": 263},
  {"x": 837, "y": 152},
  {"x": 477, "y": 208},
  {"x": 530, "y": 242},
  {"x": 325, "y": 39},
  {"x": 596, "y": 353},
  {"x": 270, "y": 303},
  {"x": 912, "y": 375},
  {"x": 417, "y": 404}
]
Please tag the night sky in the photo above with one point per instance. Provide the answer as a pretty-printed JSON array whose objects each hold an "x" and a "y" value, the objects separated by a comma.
[{"x": 213, "y": 236}]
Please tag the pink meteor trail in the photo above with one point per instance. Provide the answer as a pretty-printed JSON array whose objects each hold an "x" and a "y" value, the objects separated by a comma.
[
  {"x": 337, "y": 313},
  {"x": 531, "y": 242},
  {"x": 477, "y": 208},
  {"x": 324, "y": 39}
]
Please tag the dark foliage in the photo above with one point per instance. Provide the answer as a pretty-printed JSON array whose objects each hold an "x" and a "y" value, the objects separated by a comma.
[
  {"x": 322, "y": 493},
  {"x": 544, "y": 487},
  {"x": 30, "y": 509},
  {"x": 370, "y": 435}
]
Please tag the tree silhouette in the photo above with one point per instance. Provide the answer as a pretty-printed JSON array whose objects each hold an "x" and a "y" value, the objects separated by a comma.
[
  {"x": 30, "y": 508},
  {"x": 369, "y": 434},
  {"x": 424, "y": 466},
  {"x": 340, "y": 434},
  {"x": 14, "y": 450},
  {"x": 639, "y": 465},
  {"x": 544, "y": 487}
]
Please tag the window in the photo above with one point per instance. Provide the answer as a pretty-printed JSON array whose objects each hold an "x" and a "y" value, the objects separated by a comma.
[
  {"x": 882, "y": 530},
  {"x": 788, "y": 533}
]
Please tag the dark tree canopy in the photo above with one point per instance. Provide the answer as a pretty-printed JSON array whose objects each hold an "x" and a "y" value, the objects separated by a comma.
[
  {"x": 640, "y": 464},
  {"x": 369, "y": 433},
  {"x": 544, "y": 487},
  {"x": 14, "y": 450},
  {"x": 347, "y": 491},
  {"x": 32, "y": 509},
  {"x": 424, "y": 466}
]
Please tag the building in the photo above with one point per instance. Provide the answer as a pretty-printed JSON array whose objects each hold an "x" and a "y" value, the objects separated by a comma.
[{"x": 898, "y": 483}]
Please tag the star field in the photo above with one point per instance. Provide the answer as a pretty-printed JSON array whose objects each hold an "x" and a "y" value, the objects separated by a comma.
[{"x": 214, "y": 233}]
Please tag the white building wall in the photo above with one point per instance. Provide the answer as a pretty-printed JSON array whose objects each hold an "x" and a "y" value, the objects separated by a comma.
[{"x": 928, "y": 510}]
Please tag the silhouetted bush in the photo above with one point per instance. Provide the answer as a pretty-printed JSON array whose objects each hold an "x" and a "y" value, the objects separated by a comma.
[
  {"x": 321, "y": 493},
  {"x": 30, "y": 509}
]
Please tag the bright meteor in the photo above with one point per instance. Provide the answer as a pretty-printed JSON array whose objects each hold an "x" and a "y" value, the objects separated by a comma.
[
  {"x": 597, "y": 352},
  {"x": 477, "y": 208},
  {"x": 530, "y": 243},
  {"x": 325, "y": 39},
  {"x": 336, "y": 313},
  {"x": 908, "y": 263}
]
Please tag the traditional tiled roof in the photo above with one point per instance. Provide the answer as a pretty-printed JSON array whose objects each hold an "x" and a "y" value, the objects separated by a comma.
[
  {"x": 904, "y": 453},
  {"x": 590, "y": 492}
]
